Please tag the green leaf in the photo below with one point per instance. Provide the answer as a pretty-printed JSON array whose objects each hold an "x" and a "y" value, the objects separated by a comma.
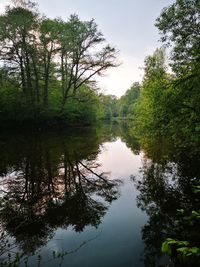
[{"x": 166, "y": 248}]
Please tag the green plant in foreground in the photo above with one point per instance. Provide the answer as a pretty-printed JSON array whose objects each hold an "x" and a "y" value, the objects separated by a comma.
[
  {"x": 182, "y": 248},
  {"x": 184, "y": 251}
]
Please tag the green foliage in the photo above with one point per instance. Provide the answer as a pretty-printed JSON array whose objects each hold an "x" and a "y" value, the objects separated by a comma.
[
  {"x": 84, "y": 108},
  {"x": 109, "y": 107},
  {"x": 184, "y": 250},
  {"x": 179, "y": 26},
  {"x": 54, "y": 63},
  {"x": 128, "y": 101},
  {"x": 166, "y": 246},
  {"x": 152, "y": 108},
  {"x": 180, "y": 249},
  {"x": 169, "y": 104}
]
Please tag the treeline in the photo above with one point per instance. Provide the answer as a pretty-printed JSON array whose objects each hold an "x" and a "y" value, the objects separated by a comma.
[
  {"x": 119, "y": 109},
  {"x": 48, "y": 66}
]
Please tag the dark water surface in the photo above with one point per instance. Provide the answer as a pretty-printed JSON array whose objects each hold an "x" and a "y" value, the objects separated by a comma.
[{"x": 87, "y": 198}]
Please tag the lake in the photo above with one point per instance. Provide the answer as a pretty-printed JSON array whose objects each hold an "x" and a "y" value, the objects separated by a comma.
[{"x": 89, "y": 197}]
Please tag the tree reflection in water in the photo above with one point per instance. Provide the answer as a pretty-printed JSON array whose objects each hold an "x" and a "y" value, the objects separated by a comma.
[
  {"x": 166, "y": 184},
  {"x": 51, "y": 183}
]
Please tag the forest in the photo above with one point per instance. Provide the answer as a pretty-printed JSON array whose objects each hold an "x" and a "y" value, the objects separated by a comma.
[
  {"x": 48, "y": 71},
  {"x": 47, "y": 67}
]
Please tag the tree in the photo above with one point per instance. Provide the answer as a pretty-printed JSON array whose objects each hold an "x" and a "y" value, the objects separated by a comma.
[
  {"x": 80, "y": 55},
  {"x": 53, "y": 60},
  {"x": 109, "y": 107},
  {"x": 152, "y": 114},
  {"x": 17, "y": 42},
  {"x": 49, "y": 31},
  {"x": 179, "y": 25},
  {"x": 127, "y": 102}
]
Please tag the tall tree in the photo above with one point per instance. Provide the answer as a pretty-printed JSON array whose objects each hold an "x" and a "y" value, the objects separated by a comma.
[
  {"x": 179, "y": 25},
  {"x": 49, "y": 31},
  {"x": 54, "y": 60},
  {"x": 128, "y": 101},
  {"x": 17, "y": 38},
  {"x": 152, "y": 108},
  {"x": 81, "y": 58}
]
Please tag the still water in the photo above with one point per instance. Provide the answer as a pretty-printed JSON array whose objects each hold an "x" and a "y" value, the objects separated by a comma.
[{"x": 80, "y": 199}]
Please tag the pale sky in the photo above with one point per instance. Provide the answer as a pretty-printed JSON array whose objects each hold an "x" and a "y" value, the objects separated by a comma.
[{"x": 128, "y": 25}]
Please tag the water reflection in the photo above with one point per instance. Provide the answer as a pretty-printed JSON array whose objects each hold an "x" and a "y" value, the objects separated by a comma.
[
  {"x": 51, "y": 181},
  {"x": 166, "y": 182}
]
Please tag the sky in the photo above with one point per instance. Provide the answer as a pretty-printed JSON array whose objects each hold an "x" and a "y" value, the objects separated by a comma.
[{"x": 128, "y": 25}]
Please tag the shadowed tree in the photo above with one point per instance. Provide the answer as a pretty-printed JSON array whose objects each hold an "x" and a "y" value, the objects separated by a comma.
[{"x": 82, "y": 55}]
